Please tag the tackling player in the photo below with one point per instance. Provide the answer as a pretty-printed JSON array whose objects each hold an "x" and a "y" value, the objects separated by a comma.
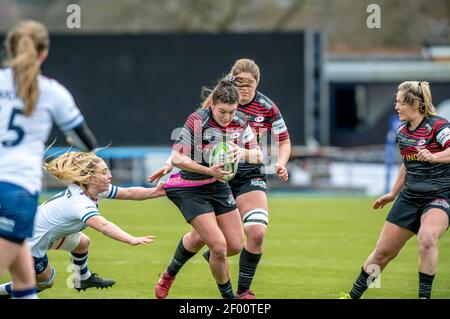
[{"x": 60, "y": 220}]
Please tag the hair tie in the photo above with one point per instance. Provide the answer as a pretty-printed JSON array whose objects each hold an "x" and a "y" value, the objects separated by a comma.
[{"x": 230, "y": 79}]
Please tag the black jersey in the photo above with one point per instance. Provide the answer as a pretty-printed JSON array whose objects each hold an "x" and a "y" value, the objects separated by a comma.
[
  {"x": 201, "y": 132},
  {"x": 433, "y": 133},
  {"x": 263, "y": 116}
]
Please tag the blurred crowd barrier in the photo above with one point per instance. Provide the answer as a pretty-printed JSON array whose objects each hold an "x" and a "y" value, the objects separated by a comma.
[{"x": 357, "y": 170}]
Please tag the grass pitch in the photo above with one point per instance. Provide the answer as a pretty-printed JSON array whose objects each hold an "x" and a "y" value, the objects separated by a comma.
[{"x": 314, "y": 249}]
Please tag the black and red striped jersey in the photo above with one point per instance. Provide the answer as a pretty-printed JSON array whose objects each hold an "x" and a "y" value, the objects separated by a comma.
[
  {"x": 264, "y": 117},
  {"x": 201, "y": 132},
  {"x": 433, "y": 133}
]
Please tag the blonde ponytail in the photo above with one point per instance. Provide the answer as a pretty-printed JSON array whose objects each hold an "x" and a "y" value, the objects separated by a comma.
[
  {"x": 26, "y": 69},
  {"x": 24, "y": 43},
  {"x": 427, "y": 100}
]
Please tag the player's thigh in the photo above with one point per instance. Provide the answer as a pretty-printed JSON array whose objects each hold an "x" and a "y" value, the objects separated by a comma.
[
  {"x": 208, "y": 229},
  {"x": 231, "y": 227},
  {"x": 434, "y": 222},
  {"x": 68, "y": 243},
  {"x": 9, "y": 251},
  {"x": 22, "y": 268}
]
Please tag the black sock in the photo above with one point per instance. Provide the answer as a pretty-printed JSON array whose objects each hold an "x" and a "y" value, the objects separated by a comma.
[
  {"x": 247, "y": 268},
  {"x": 425, "y": 283},
  {"x": 226, "y": 290},
  {"x": 179, "y": 259},
  {"x": 206, "y": 255},
  {"x": 360, "y": 285}
]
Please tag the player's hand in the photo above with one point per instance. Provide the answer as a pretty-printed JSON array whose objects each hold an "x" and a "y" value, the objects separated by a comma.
[
  {"x": 218, "y": 172},
  {"x": 383, "y": 200},
  {"x": 237, "y": 152},
  {"x": 425, "y": 155},
  {"x": 142, "y": 240},
  {"x": 282, "y": 172},
  {"x": 156, "y": 176},
  {"x": 159, "y": 190}
]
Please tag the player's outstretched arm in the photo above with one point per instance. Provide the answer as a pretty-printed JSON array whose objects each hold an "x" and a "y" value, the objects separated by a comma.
[
  {"x": 113, "y": 231},
  {"x": 398, "y": 185},
  {"x": 157, "y": 175},
  {"x": 140, "y": 193}
]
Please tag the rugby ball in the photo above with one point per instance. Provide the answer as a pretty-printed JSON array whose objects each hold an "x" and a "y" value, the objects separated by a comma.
[{"x": 222, "y": 154}]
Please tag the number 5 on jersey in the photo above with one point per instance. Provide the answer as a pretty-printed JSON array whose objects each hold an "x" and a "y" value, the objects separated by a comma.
[{"x": 11, "y": 127}]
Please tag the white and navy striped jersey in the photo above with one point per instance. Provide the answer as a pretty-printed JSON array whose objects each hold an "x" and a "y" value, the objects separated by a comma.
[
  {"x": 22, "y": 138},
  {"x": 64, "y": 214}
]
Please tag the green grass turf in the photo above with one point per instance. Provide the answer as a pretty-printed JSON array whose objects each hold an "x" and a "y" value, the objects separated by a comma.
[{"x": 314, "y": 248}]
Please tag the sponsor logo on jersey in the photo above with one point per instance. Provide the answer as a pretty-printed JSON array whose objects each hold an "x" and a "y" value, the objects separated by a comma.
[
  {"x": 279, "y": 126},
  {"x": 412, "y": 157},
  {"x": 421, "y": 142},
  {"x": 259, "y": 118},
  {"x": 8, "y": 95}
]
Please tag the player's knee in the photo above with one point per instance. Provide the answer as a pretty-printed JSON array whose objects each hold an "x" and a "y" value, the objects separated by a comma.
[
  {"x": 42, "y": 285},
  {"x": 255, "y": 225},
  {"x": 234, "y": 248},
  {"x": 255, "y": 234},
  {"x": 385, "y": 254},
  {"x": 218, "y": 249},
  {"x": 85, "y": 241},
  {"x": 426, "y": 241},
  {"x": 195, "y": 240}
]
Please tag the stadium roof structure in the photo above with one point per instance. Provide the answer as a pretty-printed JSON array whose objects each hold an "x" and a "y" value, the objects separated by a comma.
[
  {"x": 386, "y": 71},
  {"x": 388, "y": 65}
]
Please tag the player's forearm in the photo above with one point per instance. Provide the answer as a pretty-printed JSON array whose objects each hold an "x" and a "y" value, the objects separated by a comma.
[
  {"x": 113, "y": 231},
  {"x": 284, "y": 152},
  {"x": 442, "y": 157},
  {"x": 399, "y": 181},
  {"x": 138, "y": 193},
  {"x": 185, "y": 163}
]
